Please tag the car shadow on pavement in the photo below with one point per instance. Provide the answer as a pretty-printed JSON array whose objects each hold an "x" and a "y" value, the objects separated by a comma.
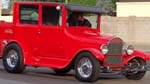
[{"x": 40, "y": 75}]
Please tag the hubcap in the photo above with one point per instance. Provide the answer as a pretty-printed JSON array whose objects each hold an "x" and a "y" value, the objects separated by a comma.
[
  {"x": 85, "y": 67},
  {"x": 12, "y": 58}
]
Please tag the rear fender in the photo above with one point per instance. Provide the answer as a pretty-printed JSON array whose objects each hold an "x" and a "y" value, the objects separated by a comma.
[{"x": 23, "y": 49}]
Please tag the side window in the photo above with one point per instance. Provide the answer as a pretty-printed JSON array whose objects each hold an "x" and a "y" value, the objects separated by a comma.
[
  {"x": 51, "y": 16},
  {"x": 28, "y": 14}
]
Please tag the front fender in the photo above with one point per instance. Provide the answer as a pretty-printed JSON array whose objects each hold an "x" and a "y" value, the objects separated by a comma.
[
  {"x": 98, "y": 55},
  {"x": 137, "y": 53},
  {"x": 95, "y": 52}
]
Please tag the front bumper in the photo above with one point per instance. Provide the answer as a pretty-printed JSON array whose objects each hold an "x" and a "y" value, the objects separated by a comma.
[{"x": 127, "y": 68}]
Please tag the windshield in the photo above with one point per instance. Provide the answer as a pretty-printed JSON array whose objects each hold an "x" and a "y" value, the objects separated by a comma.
[{"x": 81, "y": 19}]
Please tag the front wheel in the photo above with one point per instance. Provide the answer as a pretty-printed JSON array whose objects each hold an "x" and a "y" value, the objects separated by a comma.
[
  {"x": 13, "y": 59},
  {"x": 136, "y": 64},
  {"x": 86, "y": 67}
]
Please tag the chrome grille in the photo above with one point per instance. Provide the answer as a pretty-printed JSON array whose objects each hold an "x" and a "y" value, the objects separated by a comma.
[
  {"x": 115, "y": 50},
  {"x": 114, "y": 59}
]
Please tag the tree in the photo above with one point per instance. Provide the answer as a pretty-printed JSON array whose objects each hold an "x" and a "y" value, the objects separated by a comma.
[
  {"x": 84, "y": 2},
  {"x": 108, "y": 5}
]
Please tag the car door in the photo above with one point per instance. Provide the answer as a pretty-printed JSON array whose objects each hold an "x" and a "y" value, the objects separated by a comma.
[
  {"x": 27, "y": 28},
  {"x": 51, "y": 35}
]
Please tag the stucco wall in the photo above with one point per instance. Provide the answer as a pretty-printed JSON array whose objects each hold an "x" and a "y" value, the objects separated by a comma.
[
  {"x": 138, "y": 9},
  {"x": 134, "y": 30}
]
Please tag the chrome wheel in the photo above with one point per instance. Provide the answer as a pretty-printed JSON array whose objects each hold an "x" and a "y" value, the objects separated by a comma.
[
  {"x": 85, "y": 67},
  {"x": 136, "y": 67},
  {"x": 12, "y": 58}
]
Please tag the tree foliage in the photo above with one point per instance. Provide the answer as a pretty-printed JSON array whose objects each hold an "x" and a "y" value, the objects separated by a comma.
[
  {"x": 84, "y": 2},
  {"x": 108, "y": 5}
]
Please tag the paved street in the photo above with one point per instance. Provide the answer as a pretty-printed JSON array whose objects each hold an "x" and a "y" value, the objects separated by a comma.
[{"x": 47, "y": 76}]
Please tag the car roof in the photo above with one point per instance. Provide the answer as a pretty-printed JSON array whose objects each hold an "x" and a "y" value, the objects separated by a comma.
[
  {"x": 72, "y": 7},
  {"x": 82, "y": 8}
]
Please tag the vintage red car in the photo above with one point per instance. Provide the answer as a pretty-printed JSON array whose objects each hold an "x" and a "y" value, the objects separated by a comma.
[{"x": 65, "y": 37}]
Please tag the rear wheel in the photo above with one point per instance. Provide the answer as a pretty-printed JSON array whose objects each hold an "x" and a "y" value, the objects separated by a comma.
[
  {"x": 86, "y": 67},
  {"x": 136, "y": 64},
  {"x": 13, "y": 59}
]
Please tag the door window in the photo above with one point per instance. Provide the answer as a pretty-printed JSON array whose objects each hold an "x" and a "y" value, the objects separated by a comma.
[
  {"x": 51, "y": 16},
  {"x": 28, "y": 14}
]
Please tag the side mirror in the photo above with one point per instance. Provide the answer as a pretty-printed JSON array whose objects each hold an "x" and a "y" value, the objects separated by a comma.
[{"x": 58, "y": 7}]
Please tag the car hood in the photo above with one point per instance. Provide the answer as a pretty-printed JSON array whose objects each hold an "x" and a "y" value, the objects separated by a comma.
[{"x": 88, "y": 35}]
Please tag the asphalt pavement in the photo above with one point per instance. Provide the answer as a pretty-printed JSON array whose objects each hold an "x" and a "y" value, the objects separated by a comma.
[{"x": 46, "y": 76}]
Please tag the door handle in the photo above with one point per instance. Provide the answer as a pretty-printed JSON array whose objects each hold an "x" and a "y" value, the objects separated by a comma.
[{"x": 38, "y": 33}]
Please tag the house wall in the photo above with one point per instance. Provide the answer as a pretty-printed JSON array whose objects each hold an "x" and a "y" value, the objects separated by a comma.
[
  {"x": 138, "y": 9},
  {"x": 133, "y": 30}
]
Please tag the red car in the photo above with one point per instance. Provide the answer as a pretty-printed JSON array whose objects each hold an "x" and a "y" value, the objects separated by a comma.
[{"x": 65, "y": 37}]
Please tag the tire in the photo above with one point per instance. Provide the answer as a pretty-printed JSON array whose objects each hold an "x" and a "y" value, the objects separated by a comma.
[
  {"x": 62, "y": 71},
  {"x": 86, "y": 67},
  {"x": 139, "y": 74},
  {"x": 13, "y": 59}
]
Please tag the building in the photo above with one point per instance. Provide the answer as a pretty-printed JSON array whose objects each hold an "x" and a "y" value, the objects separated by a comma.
[
  {"x": 5, "y": 7},
  {"x": 137, "y": 8}
]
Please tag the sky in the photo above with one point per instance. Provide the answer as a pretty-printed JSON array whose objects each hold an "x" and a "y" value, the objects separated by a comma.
[{"x": 5, "y": 4}]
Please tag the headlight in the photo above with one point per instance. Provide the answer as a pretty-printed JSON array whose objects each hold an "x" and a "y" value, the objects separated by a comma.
[
  {"x": 104, "y": 49},
  {"x": 130, "y": 50}
]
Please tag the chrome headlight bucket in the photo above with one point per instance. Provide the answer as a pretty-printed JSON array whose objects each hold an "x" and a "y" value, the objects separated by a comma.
[
  {"x": 104, "y": 49},
  {"x": 130, "y": 50}
]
